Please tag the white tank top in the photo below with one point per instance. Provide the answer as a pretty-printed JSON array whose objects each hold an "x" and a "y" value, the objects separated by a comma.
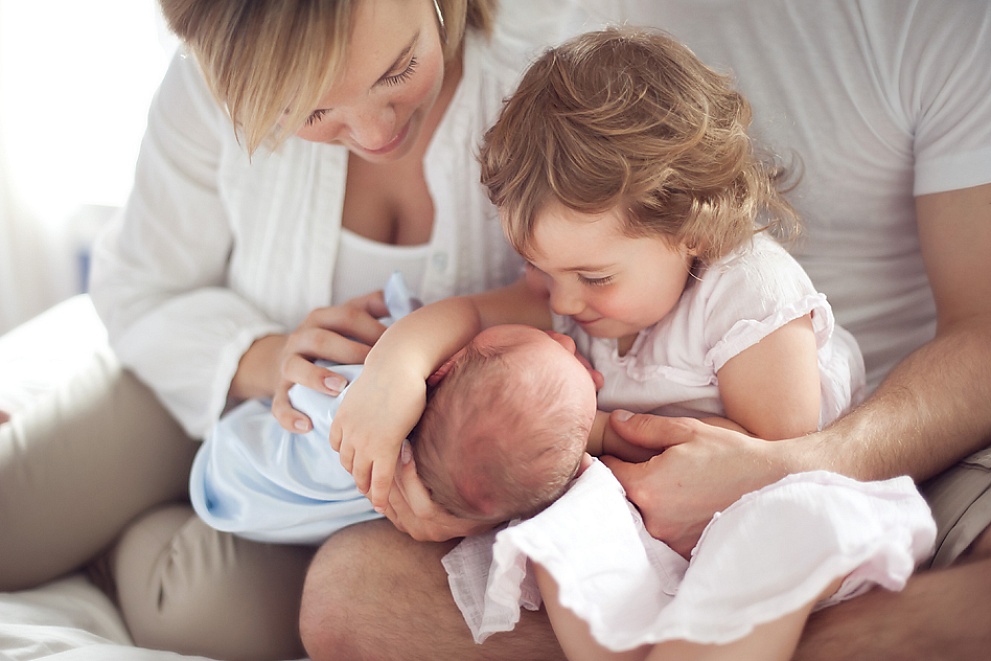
[{"x": 364, "y": 265}]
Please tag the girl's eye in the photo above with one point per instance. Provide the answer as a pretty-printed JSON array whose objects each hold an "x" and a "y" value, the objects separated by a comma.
[
  {"x": 402, "y": 76},
  {"x": 595, "y": 282},
  {"x": 316, "y": 116}
]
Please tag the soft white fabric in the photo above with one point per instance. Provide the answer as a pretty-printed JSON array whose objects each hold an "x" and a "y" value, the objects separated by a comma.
[
  {"x": 671, "y": 367},
  {"x": 768, "y": 554},
  {"x": 253, "y": 478},
  {"x": 870, "y": 101},
  {"x": 214, "y": 250},
  {"x": 69, "y": 619}
]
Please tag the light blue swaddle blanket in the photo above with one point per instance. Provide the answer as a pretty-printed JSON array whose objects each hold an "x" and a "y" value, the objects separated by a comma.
[{"x": 253, "y": 478}]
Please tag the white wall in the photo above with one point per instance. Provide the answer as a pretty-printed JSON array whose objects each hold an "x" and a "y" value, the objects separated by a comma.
[{"x": 76, "y": 77}]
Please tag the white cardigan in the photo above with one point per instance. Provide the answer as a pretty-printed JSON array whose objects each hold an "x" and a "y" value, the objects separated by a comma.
[{"x": 214, "y": 250}]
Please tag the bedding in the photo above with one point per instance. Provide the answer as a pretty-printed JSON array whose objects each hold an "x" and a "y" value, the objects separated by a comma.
[{"x": 68, "y": 619}]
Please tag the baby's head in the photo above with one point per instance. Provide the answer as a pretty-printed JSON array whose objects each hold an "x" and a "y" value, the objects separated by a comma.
[
  {"x": 506, "y": 428},
  {"x": 631, "y": 120}
]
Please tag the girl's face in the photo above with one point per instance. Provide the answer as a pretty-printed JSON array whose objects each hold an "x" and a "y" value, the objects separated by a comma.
[
  {"x": 611, "y": 284},
  {"x": 391, "y": 78}
]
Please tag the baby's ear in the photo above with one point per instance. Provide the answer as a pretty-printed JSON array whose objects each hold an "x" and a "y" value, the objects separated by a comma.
[{"x": 442, "y": 371}]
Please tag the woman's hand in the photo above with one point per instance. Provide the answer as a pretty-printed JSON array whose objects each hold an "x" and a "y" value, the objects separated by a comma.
[
  {"x": 412, "y": 511},
  {"x": 701, "y": 470},
  {"x": 338, "y": 334}
]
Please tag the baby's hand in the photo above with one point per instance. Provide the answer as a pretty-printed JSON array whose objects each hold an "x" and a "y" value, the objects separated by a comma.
[{"x": 377, "y": 413}]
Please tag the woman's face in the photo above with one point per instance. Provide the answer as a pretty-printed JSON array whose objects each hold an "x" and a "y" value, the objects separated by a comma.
[{"x": 391, "y": 78}]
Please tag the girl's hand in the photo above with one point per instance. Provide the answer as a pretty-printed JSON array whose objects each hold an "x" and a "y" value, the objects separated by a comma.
[
  {"x": 380, "y": 409},
  {"x": 412, "y": 511},
  {"x": 339, "y": 334}
]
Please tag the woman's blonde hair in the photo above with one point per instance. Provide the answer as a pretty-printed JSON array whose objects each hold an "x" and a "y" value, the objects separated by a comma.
[
  {"x": 632, "y": 119},
  {"x": 261, "y": 57}
]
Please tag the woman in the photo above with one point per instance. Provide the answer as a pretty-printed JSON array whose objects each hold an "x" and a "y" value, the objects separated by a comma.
[{"x": 296, "y": 154}]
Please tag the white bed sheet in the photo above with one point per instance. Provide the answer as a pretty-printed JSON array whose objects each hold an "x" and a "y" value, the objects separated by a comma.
[{"x": 68, "y": 619}]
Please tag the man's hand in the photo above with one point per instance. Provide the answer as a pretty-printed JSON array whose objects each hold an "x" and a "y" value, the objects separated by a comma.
[{"x": 701, "y": 470}]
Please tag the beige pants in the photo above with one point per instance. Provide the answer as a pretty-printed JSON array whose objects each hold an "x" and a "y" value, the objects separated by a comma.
[
  {"x": 960, "y": 499},
  {"x": 99, "y": 471}
]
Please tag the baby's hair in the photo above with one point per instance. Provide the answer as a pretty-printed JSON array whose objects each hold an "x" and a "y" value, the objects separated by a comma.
[
  {"x": 484, "y": 457},
  {"x": 262, "y": 58},
  {"x": 630, "y": 118}
]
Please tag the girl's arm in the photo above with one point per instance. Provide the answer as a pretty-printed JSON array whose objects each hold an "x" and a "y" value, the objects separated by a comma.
[
  {"x": 384, "y": 404},
  {"x": 772, "y": 388},
  {"x": 601, "y": 440}
]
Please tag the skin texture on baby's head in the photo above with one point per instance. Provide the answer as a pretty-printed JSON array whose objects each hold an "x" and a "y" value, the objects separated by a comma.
[{"x": 504, "y": 432}]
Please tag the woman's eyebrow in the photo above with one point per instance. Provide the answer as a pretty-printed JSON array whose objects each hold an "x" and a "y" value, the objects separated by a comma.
[{"x": 399, "y": 61}]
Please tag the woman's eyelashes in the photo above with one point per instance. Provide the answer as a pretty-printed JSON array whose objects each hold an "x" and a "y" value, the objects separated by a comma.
[
  {"x": 403, "y": 75},
  {"x": 316, "y": 116},
  {"x": 395, "y": 79}
]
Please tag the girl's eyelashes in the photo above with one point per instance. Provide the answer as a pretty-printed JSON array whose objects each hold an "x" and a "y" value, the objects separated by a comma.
[
  {"x": 404, "y": 75},
  {"x": 595, "y": 282},
  {"x": 316, "y": 116}
]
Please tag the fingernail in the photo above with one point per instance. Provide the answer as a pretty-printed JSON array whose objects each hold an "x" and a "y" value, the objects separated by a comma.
[
  {"x": 334, "y": 384},
  {"x": 406, "y": 453},
  {"x": 622, "y": 415},
  {"x": 380, "y": 510},
  {"x": 300, "y": 425}
]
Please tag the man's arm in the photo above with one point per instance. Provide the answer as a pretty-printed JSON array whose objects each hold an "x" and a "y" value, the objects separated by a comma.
[{"x": 932, "y": 409}]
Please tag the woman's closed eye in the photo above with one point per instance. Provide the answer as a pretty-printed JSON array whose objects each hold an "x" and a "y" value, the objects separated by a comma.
[
  {"x": 389, "y": 80},
  {"x": 402, "y": 76},
  {"x": 316, "y": 116}
]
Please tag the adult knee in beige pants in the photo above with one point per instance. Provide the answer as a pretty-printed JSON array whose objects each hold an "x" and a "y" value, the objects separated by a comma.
[
  {"x": 185, "y": 587},
  {"x": 80, "y": 464},
  {"x": 960, "y": 499}
]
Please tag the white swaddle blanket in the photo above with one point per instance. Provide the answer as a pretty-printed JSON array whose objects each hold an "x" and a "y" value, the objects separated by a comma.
[{"x": 766, "y": 555}]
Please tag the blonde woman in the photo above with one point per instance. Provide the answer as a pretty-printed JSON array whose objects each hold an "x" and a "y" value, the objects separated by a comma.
[{"x": 296, "y": 153}]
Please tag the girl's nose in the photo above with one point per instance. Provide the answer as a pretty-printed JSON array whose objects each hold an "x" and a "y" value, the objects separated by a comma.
[{"x": 565, "y": 301}]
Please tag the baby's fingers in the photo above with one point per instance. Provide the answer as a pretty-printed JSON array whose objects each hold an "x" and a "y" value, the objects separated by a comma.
[{"x": 381, "y": 484}]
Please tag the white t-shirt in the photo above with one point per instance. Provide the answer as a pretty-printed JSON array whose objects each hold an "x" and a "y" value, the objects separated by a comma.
[{"x": 878, "y": 100}]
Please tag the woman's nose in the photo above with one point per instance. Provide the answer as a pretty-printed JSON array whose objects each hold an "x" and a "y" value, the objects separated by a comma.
[{"x": 372, "y": 128}]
